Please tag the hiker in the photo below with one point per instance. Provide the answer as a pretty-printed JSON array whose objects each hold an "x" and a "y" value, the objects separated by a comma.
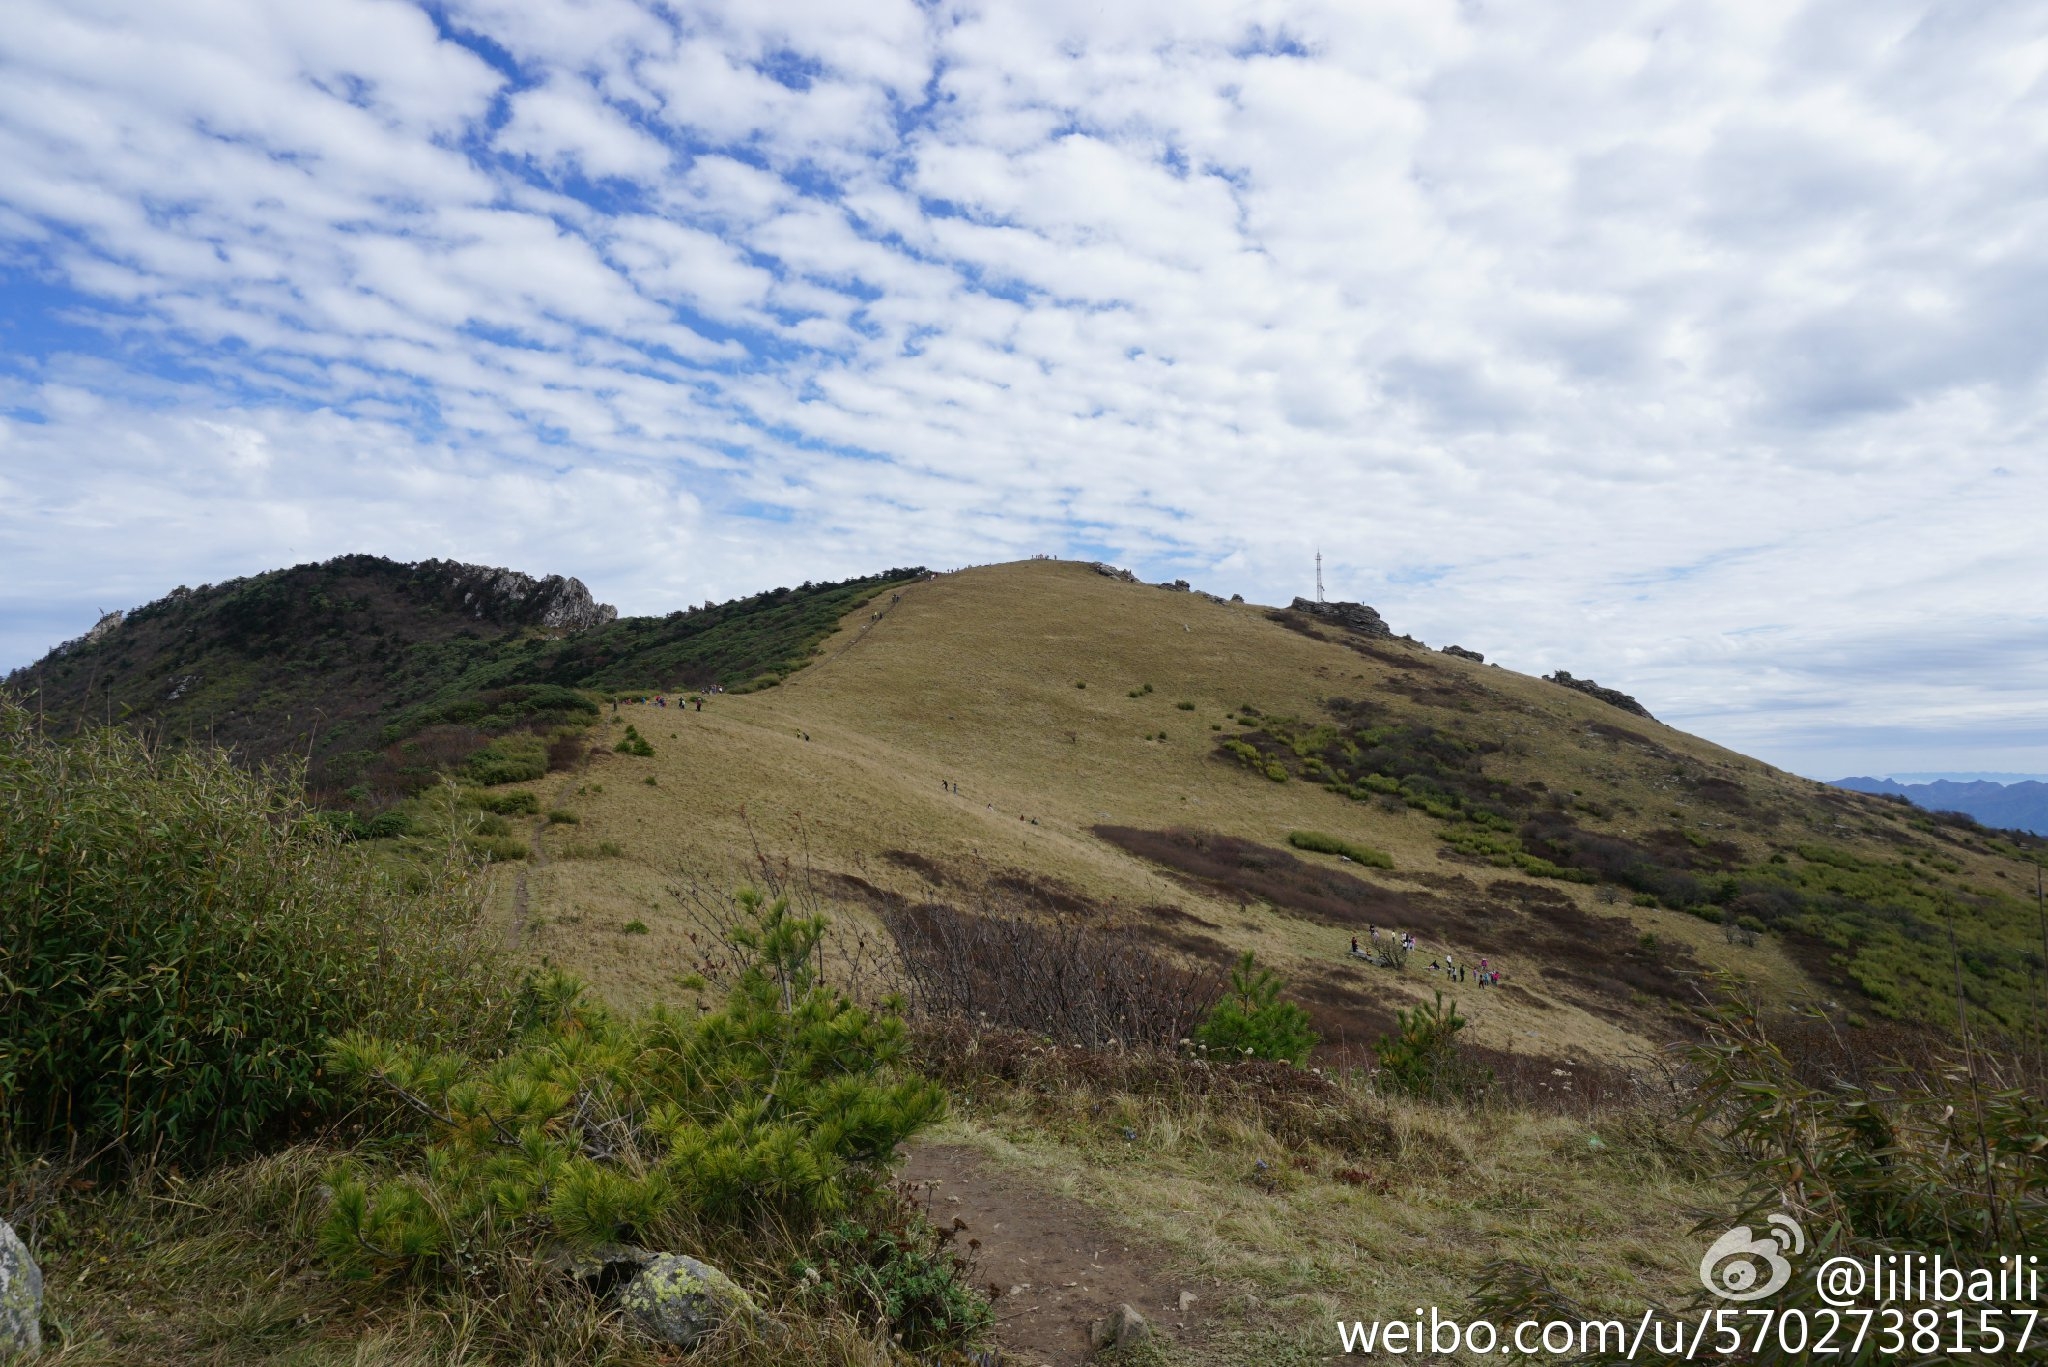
[
  {"x": 700, "y": 704},
  {"x": 1354, "y": 946}
]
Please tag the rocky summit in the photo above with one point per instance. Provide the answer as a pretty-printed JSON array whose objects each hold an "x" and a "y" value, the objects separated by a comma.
[{"x": 1351, "y": 616}]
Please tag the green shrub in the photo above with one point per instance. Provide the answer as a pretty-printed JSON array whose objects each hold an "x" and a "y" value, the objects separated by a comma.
[
  {"x": 634, "y": 927},
  {"x": 1330, "y": 844},
  {"x": 1246, "y": 755},
  {"x": 1185, "y": 706},
  {"x": 1276, "y": 771},
  {"x": 1425, "y": 1058},
  {"x": 633, "y": 743},
  {"x": 521, "y": 803},
  {"x": 518, "y": 758},
  {"x": 1252, "y": 1022},
  {"x": 902, "y": 1275},
  {"x": 561, "y": 816},
  {"x": 497, "y": 849},
  {"x": 178, "y": 935},
  {"x": 785, "y": 1105}
]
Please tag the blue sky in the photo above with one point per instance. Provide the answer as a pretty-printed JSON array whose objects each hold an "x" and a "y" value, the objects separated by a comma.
[{"x": 1695, "y": 348}]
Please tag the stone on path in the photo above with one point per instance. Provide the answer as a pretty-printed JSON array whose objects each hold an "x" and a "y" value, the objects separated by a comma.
[{"x": 1121, "y": 1328}]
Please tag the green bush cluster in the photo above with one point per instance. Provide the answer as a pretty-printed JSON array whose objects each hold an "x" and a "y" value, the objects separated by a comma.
[
  {"x": 521, "y": 803},
  {"x": 500, "y": 709},
  {"x": 1251, "y": 1021},
  {"x": 787, "y": 1103},
  {"x": 633, "y": 743},
  {"x": 389, "y": 825},
  {"x": 517, "y": 758},
  {"x": 899, "y": 1274},
  {"x": 179, "y": 936},
  {"x": 1330, "y": 844}
]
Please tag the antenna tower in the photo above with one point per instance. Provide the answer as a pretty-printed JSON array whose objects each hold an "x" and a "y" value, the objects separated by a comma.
[{"x": 1319, "y": 576}]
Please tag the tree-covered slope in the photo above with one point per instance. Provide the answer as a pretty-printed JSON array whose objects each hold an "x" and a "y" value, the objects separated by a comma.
[{"x": 337, "y": 659}]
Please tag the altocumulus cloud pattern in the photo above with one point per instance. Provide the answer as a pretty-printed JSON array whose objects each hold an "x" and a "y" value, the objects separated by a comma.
[{"x": 1695, "y": 347}]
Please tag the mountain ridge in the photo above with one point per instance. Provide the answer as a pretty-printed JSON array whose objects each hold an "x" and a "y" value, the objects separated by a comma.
[{"x": 2020, "y": 806}]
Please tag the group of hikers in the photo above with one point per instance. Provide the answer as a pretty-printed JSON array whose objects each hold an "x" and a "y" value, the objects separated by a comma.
[
  {"x": 661, "y": 699},
  {"x": 1384, "y": 954}
]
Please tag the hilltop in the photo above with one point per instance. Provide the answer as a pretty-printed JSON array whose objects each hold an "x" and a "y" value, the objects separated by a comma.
[
  {"x": 1140, "y": 757},
  {"x": 342, "y": 660}
]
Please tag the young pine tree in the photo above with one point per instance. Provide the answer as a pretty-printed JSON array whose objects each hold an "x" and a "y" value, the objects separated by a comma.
[{"x": 1252, "y": 1022}]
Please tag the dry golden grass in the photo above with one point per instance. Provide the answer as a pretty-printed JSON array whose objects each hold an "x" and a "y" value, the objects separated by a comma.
[
  {"x": 970, "y": 678},
  {"x": 1604, "y": 1208}
]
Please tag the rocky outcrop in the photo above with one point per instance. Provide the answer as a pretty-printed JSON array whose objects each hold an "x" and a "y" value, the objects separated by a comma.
[
  {"x": 21, "y": 1297},
  {"x": 1176, "y": 585},
  {"x": 1351, "y": 616},
  {"x": 1113, "y": 572},
  {"x": 1474, "y": 656},
  {"x": 1613, "y": 697},
  {"x": 105, "y": 627},
  {"x": 514, "y": 599}
]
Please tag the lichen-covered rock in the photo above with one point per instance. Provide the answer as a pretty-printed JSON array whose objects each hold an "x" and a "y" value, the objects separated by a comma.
[
  {"x": 1113, "y": 572},
  {"x": 21, "y": 1296},
  {"x": 1474, "y": 656},
  {"x": 676, "y": 1299}
]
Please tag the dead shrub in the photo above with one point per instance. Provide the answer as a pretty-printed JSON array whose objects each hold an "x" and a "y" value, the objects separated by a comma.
[{"x": 1070, "y": 979}]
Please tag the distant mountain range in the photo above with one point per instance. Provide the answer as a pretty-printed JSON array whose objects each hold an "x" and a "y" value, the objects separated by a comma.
[{"x": 2008, "y": 806}]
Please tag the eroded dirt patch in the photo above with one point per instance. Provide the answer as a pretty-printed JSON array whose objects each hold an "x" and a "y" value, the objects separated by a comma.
[{"x": 1057, "y": 1267}]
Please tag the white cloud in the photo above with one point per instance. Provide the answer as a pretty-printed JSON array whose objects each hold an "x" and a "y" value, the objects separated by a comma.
[
  {"x": 565, "y": 124},
  {"x": 1677, "y": 348}
]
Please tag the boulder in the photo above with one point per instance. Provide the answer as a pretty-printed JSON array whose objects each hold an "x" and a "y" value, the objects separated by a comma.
[
  {"x": 21, "y": 1296},
  {"x": 676, "y": 1299},
  {"x": 1613, "y": 697},
  {"x": 1351, "y": 616},
  {"x": 1121, "y": 1328},
  {"x": 1474, "y": 656},
  {"x": 1113, "y": 572}
]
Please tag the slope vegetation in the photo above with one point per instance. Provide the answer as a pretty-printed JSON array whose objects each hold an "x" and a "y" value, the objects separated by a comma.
[
  {"x": 1043, "y": 737},
  {"x": 342, "y": 659}
]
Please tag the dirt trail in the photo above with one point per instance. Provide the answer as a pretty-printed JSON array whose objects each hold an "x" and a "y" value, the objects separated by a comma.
[{"x": 1057, "y": 1267}]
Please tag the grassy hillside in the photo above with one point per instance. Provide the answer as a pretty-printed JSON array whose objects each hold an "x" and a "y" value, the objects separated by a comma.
[
  {"x": 1598, "y": 859},
  {"x": 1065, "y": 770}
]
